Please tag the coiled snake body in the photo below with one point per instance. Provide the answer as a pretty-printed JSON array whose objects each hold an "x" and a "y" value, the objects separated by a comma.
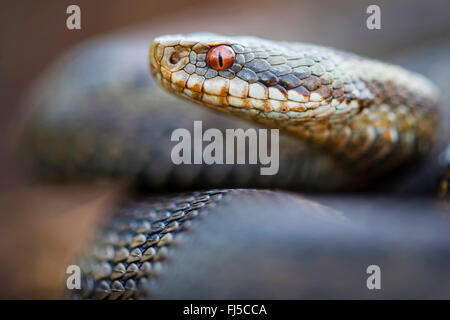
[{"x": 348, "y": 121}]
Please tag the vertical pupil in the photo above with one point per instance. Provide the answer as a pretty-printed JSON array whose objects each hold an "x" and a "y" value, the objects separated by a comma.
[{"x": 220, "y": 59}]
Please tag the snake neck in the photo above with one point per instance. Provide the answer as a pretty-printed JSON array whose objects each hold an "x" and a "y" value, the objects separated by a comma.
[{"x": 382, "y": 133}]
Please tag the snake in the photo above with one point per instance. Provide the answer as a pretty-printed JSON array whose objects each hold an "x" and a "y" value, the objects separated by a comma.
[{"x": 347, "y": 123}]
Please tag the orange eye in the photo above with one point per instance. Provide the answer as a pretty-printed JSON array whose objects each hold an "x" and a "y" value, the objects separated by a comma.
[{"x": 220, "y": 58}]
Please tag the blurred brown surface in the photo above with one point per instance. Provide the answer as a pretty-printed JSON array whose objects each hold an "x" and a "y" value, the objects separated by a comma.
[
  {"x": 41, "y": 226},
  {"x": 42, "y": 229}
]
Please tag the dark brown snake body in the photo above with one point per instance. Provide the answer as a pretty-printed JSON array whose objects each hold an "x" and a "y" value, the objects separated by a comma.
[{"x": 350, "y": 122}]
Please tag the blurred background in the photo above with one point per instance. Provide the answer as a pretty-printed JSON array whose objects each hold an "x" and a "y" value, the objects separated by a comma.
[{"x": 33, "y": 244}]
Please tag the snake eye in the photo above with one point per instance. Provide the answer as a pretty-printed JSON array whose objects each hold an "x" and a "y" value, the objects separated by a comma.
[{"x": 220, "y": 58}]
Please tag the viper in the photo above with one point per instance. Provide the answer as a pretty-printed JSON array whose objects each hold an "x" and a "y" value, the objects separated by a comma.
[{"x": 349, "y": 123}]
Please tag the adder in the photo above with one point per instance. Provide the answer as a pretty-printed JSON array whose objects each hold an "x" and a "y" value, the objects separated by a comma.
[{"x": 348, "y": 123}]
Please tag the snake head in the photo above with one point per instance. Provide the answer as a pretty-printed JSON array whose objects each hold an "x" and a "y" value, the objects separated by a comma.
[{"x": 264, "y": 79}]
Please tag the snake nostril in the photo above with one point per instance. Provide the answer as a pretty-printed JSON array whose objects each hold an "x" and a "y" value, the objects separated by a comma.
[{"x": 174, "y": 58}]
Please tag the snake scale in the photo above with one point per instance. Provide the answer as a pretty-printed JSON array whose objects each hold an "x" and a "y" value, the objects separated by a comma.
[{"x": 348, "y": 121}]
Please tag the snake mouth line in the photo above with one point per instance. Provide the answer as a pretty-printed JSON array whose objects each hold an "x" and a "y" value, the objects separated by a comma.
[{"x": 266, "y": 108}]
